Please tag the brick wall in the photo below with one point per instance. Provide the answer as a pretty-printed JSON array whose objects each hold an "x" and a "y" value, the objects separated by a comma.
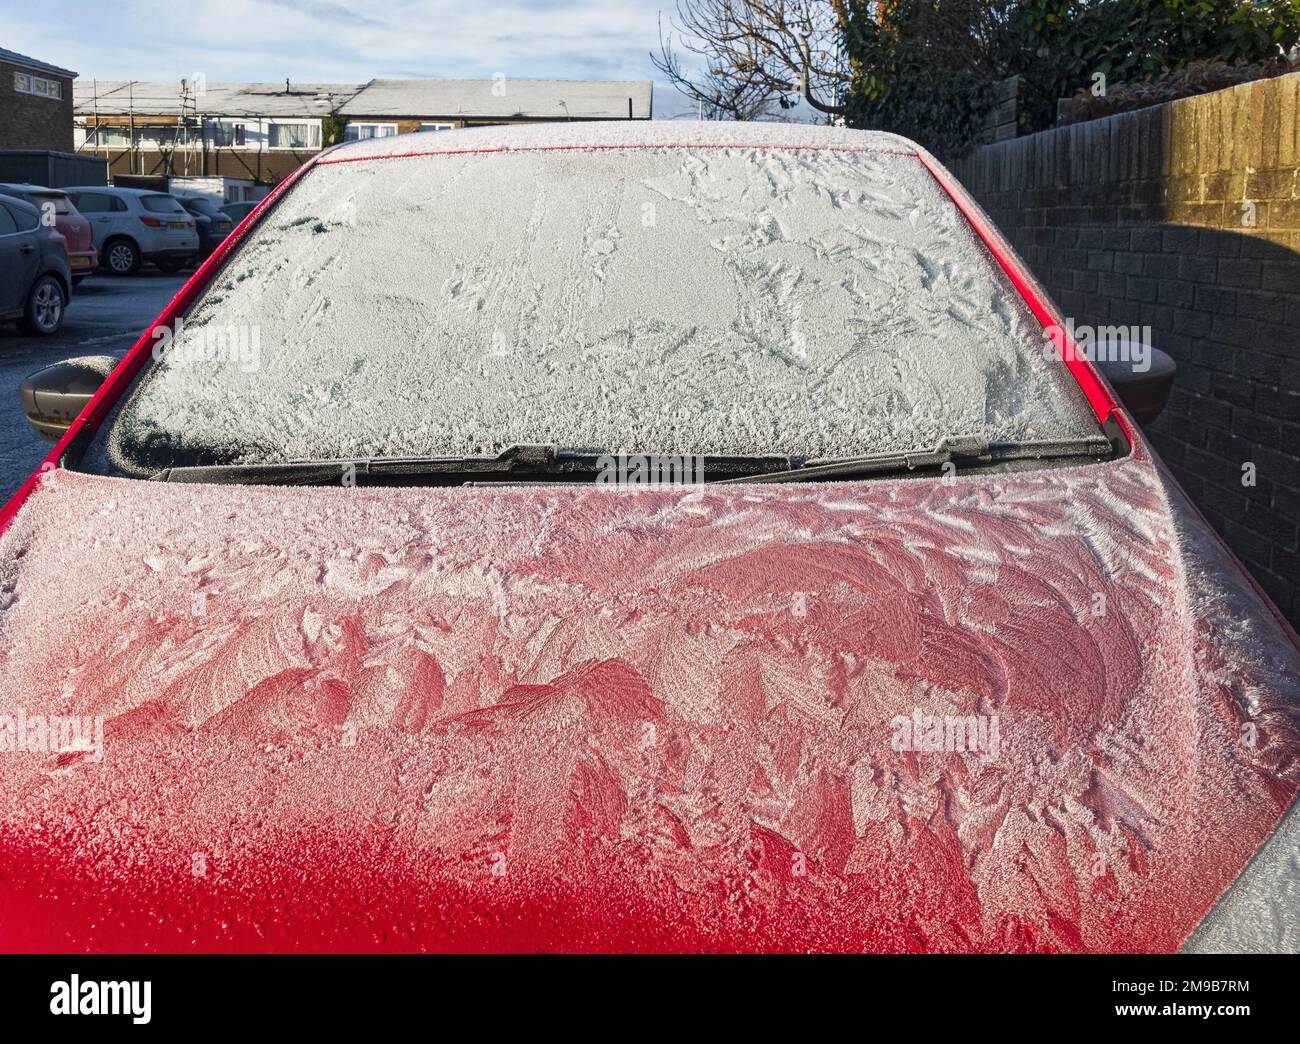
[
  {"x": 1002, "y": 121},
  {"x": 1186, "y": 218},
  {"x": 31, "y": 122}
]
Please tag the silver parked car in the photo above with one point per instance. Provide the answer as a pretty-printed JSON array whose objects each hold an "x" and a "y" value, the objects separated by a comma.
[
  {"x": 35, "y": 280},
  {"x": 135, "y": 225}
]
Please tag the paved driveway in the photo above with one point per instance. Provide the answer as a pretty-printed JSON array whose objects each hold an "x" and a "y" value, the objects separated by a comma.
[{"x": 106, "y": 314}]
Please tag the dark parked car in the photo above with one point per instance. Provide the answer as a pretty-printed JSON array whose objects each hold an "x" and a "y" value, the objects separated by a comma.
[
  {"x": 71, "y": 224},
  {"x": 35, "y": 279},
  {"x": 238, "y": 211},
  {"x": 213, "y": 225}
]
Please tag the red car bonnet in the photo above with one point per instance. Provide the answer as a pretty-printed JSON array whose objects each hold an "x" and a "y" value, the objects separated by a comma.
[{"x": 355, "y": 719}]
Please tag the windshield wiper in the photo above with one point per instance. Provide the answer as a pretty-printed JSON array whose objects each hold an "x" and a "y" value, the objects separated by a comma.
[
  {"x": 536, "y": 463},
  {"x": 541, "y": 460},
  {"x": 522, "y": 463},
  {"x": 961, "y": 449}
]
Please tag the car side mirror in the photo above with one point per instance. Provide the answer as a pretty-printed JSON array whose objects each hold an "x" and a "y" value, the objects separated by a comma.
[
  {"x": 1142, "y": 377},
  {"x": 53, "y": 397}
]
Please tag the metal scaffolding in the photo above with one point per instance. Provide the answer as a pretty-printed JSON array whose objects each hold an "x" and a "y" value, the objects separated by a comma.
[{"x": 177, "y": 145}]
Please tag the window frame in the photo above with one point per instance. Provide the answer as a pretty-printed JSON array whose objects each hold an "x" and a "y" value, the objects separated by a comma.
[
  {"x": 82, "y": 195},
  {"x": 14, "y": 216},
  {"x": 313, "y": 128},
  {"x": 145, "y": 199},
  {"x": 348, "y": 134},
  {"x": 239, "y": 133},
  {"x": 106, "y": 136},
  {"x": 37, "y": 86}
]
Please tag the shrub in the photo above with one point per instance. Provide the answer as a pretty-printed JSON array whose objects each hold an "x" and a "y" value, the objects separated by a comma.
[
  {"x": 923, "y": 67},
  {"x": 1196, "y": 78}
]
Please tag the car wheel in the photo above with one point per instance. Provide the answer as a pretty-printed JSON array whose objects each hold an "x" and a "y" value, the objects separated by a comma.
[
  {"x": 121, "y": 257},
  {"x": 44, "y": 310}
]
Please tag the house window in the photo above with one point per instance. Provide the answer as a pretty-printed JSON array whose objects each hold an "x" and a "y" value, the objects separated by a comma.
[
  {"x": 108, "y": 137},
  {"x": 435, "y": 126},
  {"x": 228, "y": 133},
  {"x": 156, "y": 137},
  {"x": 294, "y": 135},
  {"x": 362, "y": 131},
  {"x": 24, "y": 83}
]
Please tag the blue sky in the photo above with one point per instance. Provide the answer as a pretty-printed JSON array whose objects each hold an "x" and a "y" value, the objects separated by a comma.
[{"x": 337, "y": 41}]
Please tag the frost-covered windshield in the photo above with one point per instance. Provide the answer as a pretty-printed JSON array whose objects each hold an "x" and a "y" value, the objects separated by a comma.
[{"x": 730, "y": 300}]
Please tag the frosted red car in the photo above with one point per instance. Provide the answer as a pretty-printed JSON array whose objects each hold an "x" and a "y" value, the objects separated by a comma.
[{"x": 342, "y": 617}]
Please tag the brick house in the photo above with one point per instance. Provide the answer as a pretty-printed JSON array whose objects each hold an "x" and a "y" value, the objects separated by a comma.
[
  {"x": 35, "y": 104},
  {"x": 262, "y": 132}
]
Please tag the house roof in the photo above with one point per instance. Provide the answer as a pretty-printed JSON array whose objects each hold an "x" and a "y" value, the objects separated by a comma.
[
  {"x": 419, "y": 99},
  {"x": 123, "y": 97},
  {"x": 15, "y": 58},
  {"x": 503, "y": 98}
]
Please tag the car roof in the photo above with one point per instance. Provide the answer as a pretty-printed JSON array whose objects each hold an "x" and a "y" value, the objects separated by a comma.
[
  {"x": 10, "y": 187},
  {"x": 113, "y": 190},
  {"x": 625, "y": 134}
]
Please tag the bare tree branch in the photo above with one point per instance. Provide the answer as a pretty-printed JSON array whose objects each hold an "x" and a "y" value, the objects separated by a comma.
[
  {"x": 762, "y": 53},
  {"x": 719, "y": 97}
]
